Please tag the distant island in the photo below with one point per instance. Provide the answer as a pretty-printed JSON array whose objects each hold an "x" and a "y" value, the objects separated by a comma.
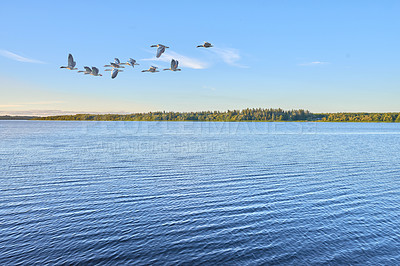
[
  {"x": 255, "y": 114},
  {"x": 16, "y": 117}
]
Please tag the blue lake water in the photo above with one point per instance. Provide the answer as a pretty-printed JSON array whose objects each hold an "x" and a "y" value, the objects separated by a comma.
[{"x": 170, "y": 193}]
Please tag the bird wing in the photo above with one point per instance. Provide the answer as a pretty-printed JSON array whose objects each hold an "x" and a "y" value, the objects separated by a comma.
[
  {"x": 95, "y": 71},
  {"x": 160, "y": 50},
  {"x": 114, "y": 73},
  {"x": 116, "y": 60},
  {"x": 70, "y": 60},
  {"x": 87, "y": 69}
]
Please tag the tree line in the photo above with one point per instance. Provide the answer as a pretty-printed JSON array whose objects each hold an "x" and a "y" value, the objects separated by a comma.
[{"x": 254, "y": 114}]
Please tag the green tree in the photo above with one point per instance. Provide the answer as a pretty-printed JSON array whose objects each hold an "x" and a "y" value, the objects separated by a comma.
[{"x": 398, "y": 119}]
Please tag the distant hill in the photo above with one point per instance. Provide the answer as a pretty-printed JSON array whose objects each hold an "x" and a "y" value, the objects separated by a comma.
[{"x": 10, "y": 117}]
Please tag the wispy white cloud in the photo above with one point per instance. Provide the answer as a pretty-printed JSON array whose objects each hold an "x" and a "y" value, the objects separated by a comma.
[
  {"x": 209, "y": 88},
  {"x": 315, "y": 63},
  {"x": 29, "y": 103},
  {"x": 184, "y": 61},
  {"x": 19, "y": 58},
  {"x": 230, "y": 56}
]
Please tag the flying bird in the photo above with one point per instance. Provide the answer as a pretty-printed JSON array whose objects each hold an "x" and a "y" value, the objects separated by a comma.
[
  {"x": 174, "y": 66},
  {"x": 87, "y": 70},
  {"x": 131, "y": 62},
  {"x": 152, "y": 69},
  {"x": 71, "y": 63},
  {"x": 95, "y": 72},
  {"x": 160, "y": 49},
  {"x": 114, "y": 72},
  {"x": 205, "y": 45},
  {"x": 116, "y": 64}
]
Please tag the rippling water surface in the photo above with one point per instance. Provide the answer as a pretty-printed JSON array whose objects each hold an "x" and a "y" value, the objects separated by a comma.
[{"x": 199, "y": 193}]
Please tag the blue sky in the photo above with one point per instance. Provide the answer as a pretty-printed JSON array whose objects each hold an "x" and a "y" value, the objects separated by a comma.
[{"x": 324, "y": 56}]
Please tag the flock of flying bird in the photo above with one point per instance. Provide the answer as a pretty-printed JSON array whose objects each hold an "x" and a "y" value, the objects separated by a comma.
[{"x": 115, "y": 67}]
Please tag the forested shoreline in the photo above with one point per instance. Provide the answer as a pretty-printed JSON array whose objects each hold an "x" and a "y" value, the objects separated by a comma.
[{"x": 255, "y": 114}]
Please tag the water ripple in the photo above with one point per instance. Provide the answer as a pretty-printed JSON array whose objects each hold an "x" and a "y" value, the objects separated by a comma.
[{"x": 109, "y": 193}]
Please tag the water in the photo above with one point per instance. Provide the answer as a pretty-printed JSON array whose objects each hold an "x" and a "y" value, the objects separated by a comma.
[{"x": 199, "y": 193}]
